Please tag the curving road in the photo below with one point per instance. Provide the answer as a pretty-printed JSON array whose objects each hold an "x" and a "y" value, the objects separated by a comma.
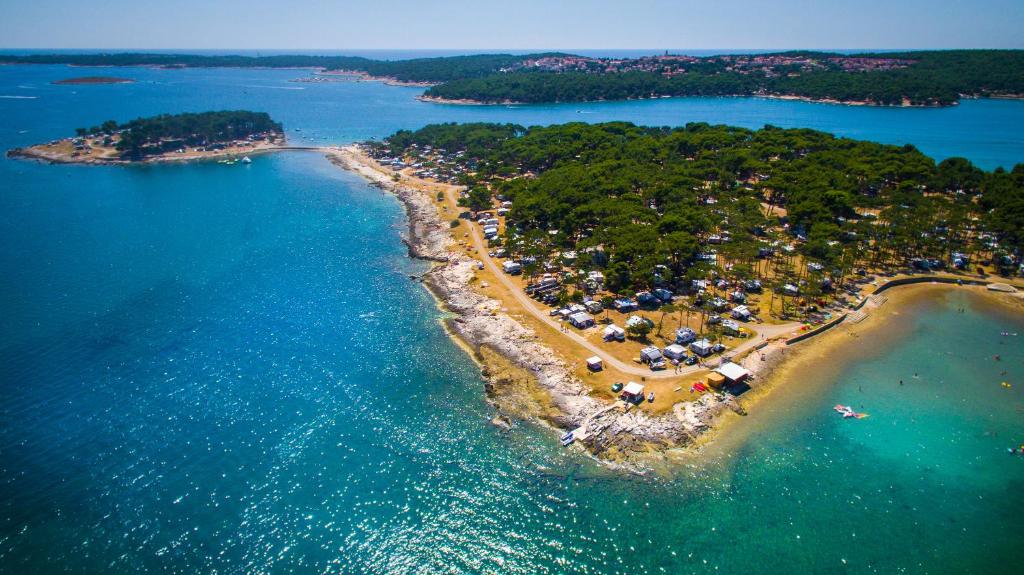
[{"x": 767, "y": 331}]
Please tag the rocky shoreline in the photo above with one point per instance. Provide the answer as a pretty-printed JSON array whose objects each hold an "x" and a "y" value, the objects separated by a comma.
[
  {"x": 50, "y": 156},
  {"x": 613, "y": 434}
]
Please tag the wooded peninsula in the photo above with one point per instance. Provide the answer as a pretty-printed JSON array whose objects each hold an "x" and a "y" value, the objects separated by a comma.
[
  {"x": 917, "y": 78},
  {"x": 802, "y": 210}
]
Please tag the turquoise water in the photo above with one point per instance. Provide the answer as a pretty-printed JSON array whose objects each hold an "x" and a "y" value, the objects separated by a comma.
[{"x": 210, "y": 368}]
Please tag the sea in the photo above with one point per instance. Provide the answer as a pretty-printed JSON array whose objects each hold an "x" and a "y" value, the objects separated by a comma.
[{"x": 210, "y": 368}]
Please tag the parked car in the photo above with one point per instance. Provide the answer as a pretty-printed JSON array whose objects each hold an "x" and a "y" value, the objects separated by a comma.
[{"x": 691, "y": 360}]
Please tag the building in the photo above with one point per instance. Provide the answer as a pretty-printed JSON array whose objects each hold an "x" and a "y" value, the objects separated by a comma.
[
  {"x": 701, "y": 347},
  {"x": 633, "y": 392},
  {"x": 685, "y": 335},
  {"x": 581, "y": 320},
  {"x": 614, "y": 332},
  {"x": 650, "y": 354},
  {"x": 741, "y": 313},
  {"x": 595, "y": 363},
  {"x": 716, "y": 380},
  {"x": 674, "y": 351},
  {"x": 512, "y": 268},
  {"x": 733, "y": 372}
]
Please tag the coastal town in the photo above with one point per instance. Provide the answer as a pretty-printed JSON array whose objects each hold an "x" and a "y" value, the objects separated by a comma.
[{"x": 768, "y": 65}]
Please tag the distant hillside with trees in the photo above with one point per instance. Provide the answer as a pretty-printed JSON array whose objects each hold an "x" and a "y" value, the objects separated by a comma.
[
  {"x": 932, "y": 79},
  {"x": 924, "y": 78}
]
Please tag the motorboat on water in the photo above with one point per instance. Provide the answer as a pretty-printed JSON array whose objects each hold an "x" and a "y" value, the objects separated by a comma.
[
  {"x": 246, "y": 160},
  {"x": 847, "y": 412}
]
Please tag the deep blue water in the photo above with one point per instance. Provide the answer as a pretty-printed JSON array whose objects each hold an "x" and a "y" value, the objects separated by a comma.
[{"x": 208, "y": 368}]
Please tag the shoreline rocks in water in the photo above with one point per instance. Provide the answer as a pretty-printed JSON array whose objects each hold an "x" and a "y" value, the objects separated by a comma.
[{"x": 613, "y": 433}]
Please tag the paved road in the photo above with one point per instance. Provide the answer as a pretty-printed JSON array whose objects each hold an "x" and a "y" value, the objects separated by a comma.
[{"x": 542, "y": 314}]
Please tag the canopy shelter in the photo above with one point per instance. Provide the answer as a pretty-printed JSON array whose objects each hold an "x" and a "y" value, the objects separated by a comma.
[
  {"x": 733, "y": 372},
  {"x": 632, "y": 392}
]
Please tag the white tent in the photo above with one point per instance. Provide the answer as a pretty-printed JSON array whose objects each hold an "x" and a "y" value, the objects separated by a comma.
[
  {"x": 675, "y": 351},
  {"x": 701, "y": 347},
  {"x": 595, "y": 363},
  {"x": 614, "y": 332},
  {"x": 633, "y": 389}
]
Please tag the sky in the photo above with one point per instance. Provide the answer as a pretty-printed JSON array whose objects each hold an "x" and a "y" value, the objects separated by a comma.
[{"x": 510, "y": 24}]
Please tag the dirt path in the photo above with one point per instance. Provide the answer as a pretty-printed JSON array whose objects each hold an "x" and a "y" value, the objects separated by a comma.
[{"x": 767, "y": 331}]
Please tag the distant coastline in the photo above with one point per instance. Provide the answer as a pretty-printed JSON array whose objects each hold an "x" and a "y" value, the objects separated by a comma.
[{"x": 790, "y": 97}]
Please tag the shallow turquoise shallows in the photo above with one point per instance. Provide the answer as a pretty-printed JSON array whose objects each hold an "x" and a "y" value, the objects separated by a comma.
[{"x": 225, "y": 369}]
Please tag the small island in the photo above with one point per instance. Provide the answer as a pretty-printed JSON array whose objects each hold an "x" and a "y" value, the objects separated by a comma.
[
  {"x": 93, "y": 80},
  {"x": 168, "y": 137}
]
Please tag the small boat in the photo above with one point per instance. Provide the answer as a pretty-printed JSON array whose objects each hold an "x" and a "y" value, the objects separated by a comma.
[
  {"x": 650, "y": 397},
  {"x": 567, "y": 439},
  {"x": 246, "y": 160},
  {"x": 847, "y": 412}
]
